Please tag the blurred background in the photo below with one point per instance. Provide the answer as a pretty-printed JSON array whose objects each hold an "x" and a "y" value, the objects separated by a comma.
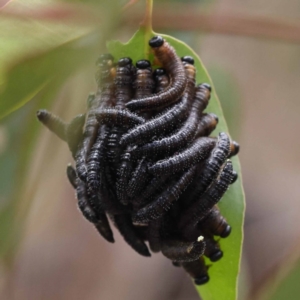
[{"x": 254, "y": 61}]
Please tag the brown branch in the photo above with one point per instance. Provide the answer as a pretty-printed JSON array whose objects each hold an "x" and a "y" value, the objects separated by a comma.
[
  {"x": 191, "y": 19},
  {"x": 59, "y": 12},
  {"x": 184, "y": 18}
]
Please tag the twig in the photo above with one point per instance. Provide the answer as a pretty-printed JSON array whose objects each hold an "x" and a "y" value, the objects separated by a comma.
[{"x": 190, "y": 19}]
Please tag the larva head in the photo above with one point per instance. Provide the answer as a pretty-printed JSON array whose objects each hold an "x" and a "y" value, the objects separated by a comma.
[
  {"x": 201, "y": 280},
  {"x": 234, "y": 148},
  {"x": 105, "y": 65},
  {"x": 234, "y": 177},
  {"x": 156, "y": 41},
  {"x": 206, "y": 89},
  {"x": 143, "y": 64},
  {"x": 159, "y": 72},
  {"x": 226, "y": 232},
  {"x": 42, "y": 115},
  {"x": 124, "y": 61},
  {"x": 207, "y": 86},
  {"x": 188, "y": 59},
  {"x": 216, "y": 256},
  {"x": 215, "y": 117},
  {"x": 105, "y": 60}
]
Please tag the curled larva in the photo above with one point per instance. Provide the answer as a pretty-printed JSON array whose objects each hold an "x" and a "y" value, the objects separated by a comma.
[
  {"x": 211, "y": 167},
  {"x": 185, "y": 134},
  {"x": 197, "y": 152},
  {"x": 105, "y": 65},
  {"x": 118, "y": 117},
  {"x": 207, "y": 125},
  {"x": 53, "y": 123},
  {"x": 154, "y": 236},
  {"x": 139, "y": 179},
  {"x": 103, "y": 98},
  {"x": 123, "y": 177},
  {"x": 180, "y": 251},
  {"x": 143, "y": 83},
  {"x": 107, "y": 199},
  {"x": 72, "y": 176},
  {"x": 130, "y": 235},
  {"x": 123, "y": 93},
  {"x": 212, "y": 249},
  {"x": 164, "y": 201},
  {"x": 150, "y": 190},
  {"x": 167, "y": 56},
  {"x": 96, "y": 161},
  {"x": 98, "y": 218},
  {"x": 161, "y": 79},
  {"x": 202, "y": 207},
  {"x": 123, "y": 82},
  {"x": 167, "y": 120},
  {"x": 216, "y": 223}
]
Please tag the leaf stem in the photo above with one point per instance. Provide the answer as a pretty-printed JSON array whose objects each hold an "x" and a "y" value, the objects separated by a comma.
[{"x": 147, "y": 26}]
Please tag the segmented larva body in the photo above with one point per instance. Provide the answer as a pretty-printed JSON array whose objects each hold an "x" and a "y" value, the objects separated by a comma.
[
  {"x": 161, "y": 79},
  {"x": 138, "y": 179},
  {"x": 167, "y": 120},
  {"x": 180, "y": 251},
  {"x": 108, "y": 199},
  {"x": 96, "y": 161},
  {"x": 99, "y": 219},
  {"x": 154, "y": 235},
  {"x": 207, "y": 124},
  {"x": 201, "y": 208},
  {"x": 129, "y": 233},
  {"x": 103, "y": 98},
  {"x": 163, "y": 202},
  {"x": 216, "y": 223},
  {"x": 123, "y": 93},
  {"x": 123, "y": 82},
  {"x": 211, "y": 167},
  {"x": 53, "y": 123},
  {"x": 155, "y": 185},
  {"x": 143, "y": 85},
  {"x": 212, "y": 249},
  {"x": 196, "y": 153},
  {"x": 118, "y": 117},
  {"x": 72, "y": 176},
  {"x": 123, "y": 176},
  {"x": 166, "y": 55},
  {"x": 197, "y": 270},
  {"x": 185, "y": 134}
]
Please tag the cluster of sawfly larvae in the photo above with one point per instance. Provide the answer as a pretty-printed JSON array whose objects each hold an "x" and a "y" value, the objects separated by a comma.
[{"x": 146, "y": 161}]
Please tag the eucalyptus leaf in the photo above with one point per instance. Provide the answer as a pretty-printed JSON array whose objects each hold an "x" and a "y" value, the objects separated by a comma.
[{"x": 224, "y": 273}]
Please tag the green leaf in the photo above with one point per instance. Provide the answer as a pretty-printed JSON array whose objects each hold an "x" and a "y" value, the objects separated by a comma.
[
  {"x": 42, "y": 41},
  {"x": 224, "y": 273},
  {"x": 25, "y": 132}
]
